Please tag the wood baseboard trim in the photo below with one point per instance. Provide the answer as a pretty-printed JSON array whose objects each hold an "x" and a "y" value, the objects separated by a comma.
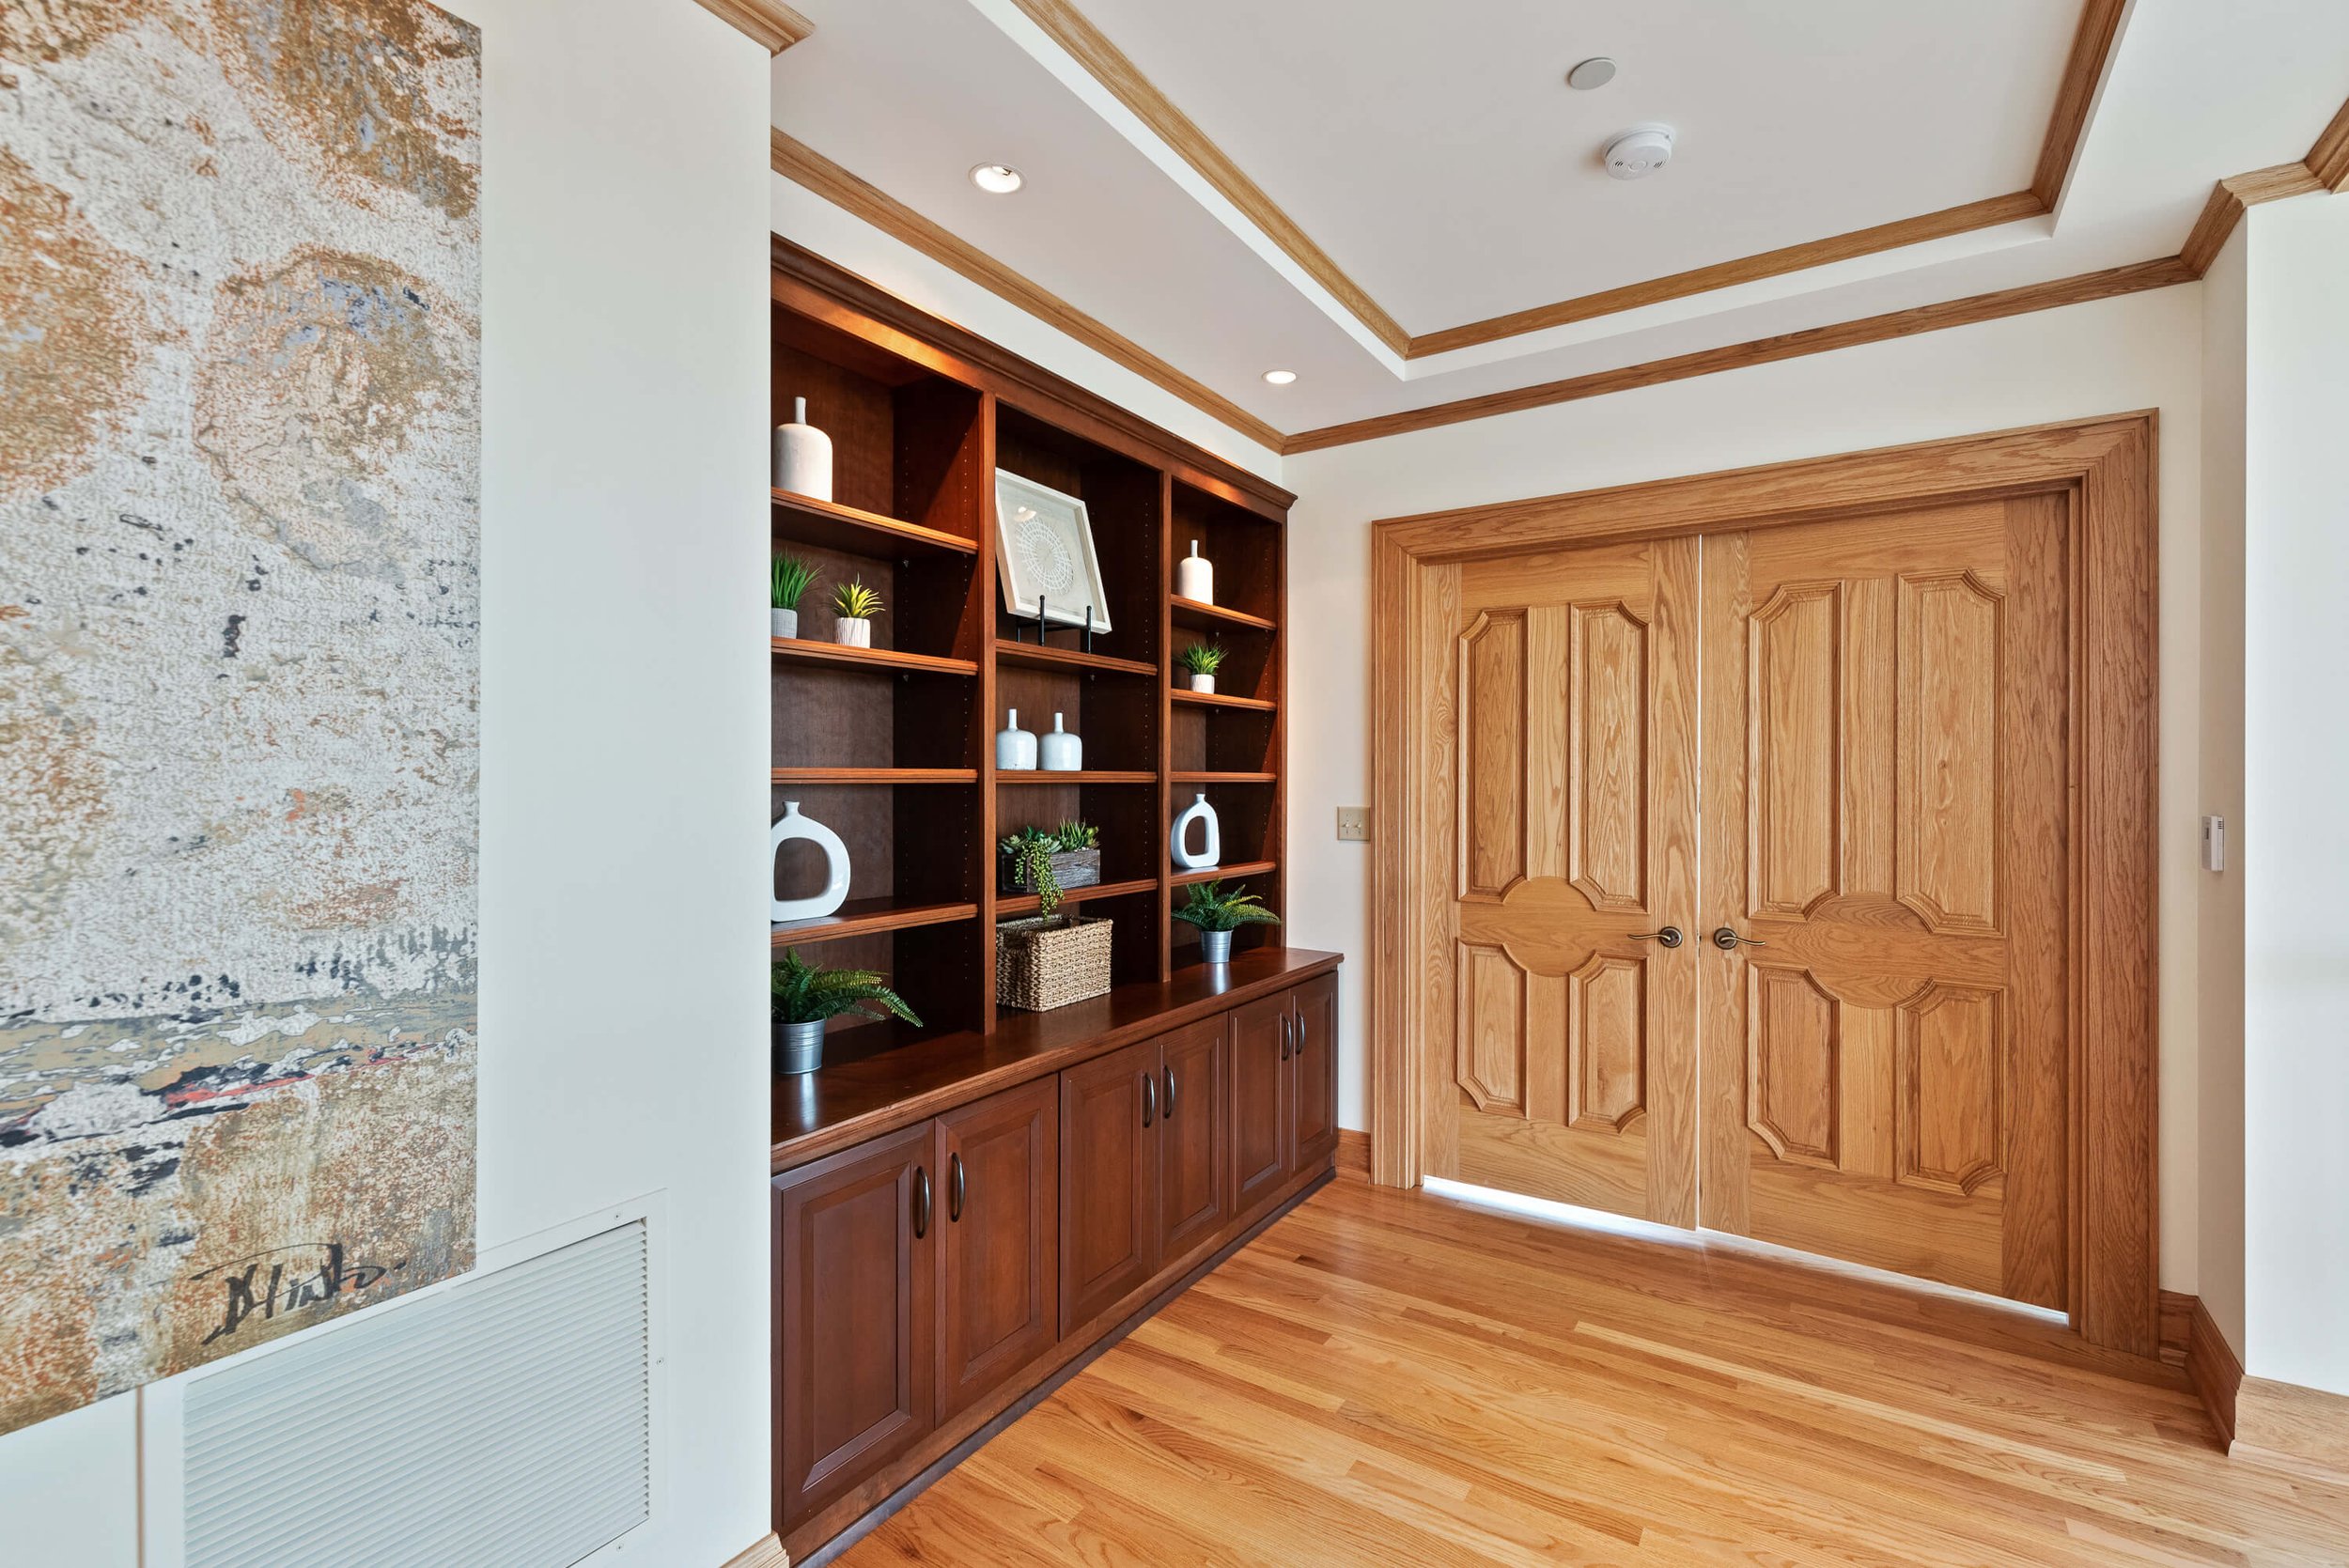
[
  {"x": 2210, "y": 1365},
  {"x": 1353, "y": 1153},
  {"x": 865, "y": 1523},
  {"x": 766, "y": 1552},
  {"x": 775, "y": 25}
]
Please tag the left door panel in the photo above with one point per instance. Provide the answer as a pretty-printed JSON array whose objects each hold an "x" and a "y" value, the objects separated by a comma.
[{"x": 999, "y": 1307}]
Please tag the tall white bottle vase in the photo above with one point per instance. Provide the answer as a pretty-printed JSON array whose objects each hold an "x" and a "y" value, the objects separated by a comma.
[
  {"x": 1063, "y": 753},
  {"x": 1015, "y": 748},
  {"x": 835, "y": 865},
  {"x": 1210, "y": 852},
  {"x": 803, "y": 455},
  {"x": 1194, "y": 576}
]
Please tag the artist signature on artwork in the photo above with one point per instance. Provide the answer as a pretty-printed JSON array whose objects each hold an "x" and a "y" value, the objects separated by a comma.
[{"x": 286, "y": 1280}]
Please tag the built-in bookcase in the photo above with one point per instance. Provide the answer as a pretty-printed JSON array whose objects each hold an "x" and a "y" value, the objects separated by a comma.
[{"x": 894, "y": 746}]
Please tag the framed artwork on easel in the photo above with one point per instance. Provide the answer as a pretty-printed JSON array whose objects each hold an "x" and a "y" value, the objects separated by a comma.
[{"x": 1044, "y": 554}]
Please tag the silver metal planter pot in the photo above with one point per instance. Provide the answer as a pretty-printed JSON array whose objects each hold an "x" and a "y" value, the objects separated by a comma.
[
  {"x": 1214, "y": 947},
  {"x": 799, "y": 1048}
]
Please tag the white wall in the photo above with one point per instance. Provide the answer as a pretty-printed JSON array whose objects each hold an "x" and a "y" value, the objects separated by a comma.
[
  {"x": 2219, "y": 914},
  {"x": 2109, "y": 357},
  {"x": 2295, "y": 831},
  {"x": 624, "y": 706}
]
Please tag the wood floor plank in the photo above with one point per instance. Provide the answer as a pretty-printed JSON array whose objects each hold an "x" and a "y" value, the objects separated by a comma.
[{"x": 1400, "y": 1378}]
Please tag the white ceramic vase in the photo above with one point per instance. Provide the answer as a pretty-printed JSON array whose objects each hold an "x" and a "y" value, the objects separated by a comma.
[
  {"x": 803, "y": 455},
  {"x": 1194, "y": 576},
  {"x": 836, "y": 894},
  {"x": 1202, "y": 683},
  {"x": 783, "y": 623},
  {"x": 1062, "y": 752},
  {"x": 1015, "y": 748},
  {"x": 852, "y": 631},
  {"x": 1211, "y": 853}
]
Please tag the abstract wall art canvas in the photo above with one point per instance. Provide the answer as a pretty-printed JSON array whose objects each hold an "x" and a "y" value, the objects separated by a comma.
[{"x": 240, "y": 519}]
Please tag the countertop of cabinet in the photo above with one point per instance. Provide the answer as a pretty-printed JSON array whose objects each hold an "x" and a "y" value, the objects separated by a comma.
[{"x": 877, "y": 1091}]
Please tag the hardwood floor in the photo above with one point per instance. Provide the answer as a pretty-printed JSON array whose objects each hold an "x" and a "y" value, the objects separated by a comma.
[{"x": 1388, "y": 1377}]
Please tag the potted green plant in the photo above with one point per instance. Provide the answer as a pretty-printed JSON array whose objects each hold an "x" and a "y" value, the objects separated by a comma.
[
  {"x": 1218, "y": 914},
  {"x": 856, "y": 606},
  {"x": 806, "y": 998},
  {"x": 789, "y": 583},
  {"x": 1047, "y": 861},
  {"x": 1201, "y": 660}
]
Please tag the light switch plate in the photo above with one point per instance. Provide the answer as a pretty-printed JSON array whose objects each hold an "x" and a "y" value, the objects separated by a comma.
[
  {"x": 1354, "y": 824},
  {"x": 2213, "y": 844}
]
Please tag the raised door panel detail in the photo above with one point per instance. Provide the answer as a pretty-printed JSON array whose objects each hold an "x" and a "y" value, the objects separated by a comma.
[
  {"x": 1949, "y": 1099},
  {"x": 1109, "y": 1180},
  {"x": 1606, "y": 1044},
  {"x": 1491, "y": 1030},
  {"x": 1261, "y": 1117},
  {"x": 1314, "y": 1058},
  {"x": 855, "y": 1321},
  {"x": 1795, "y": 833},
  {"x": 999, "y": 1274},
  {"x": 1195, "y": 1122},
  {"x": 1492, "y": 754},
  {"x": 1951, "y": 813},
  {"x": 1608, "y": 740},
  {"x": 1793, "y": 1066}
]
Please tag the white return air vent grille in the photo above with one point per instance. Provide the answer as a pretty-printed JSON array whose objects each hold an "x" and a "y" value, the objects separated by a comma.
[{"x": 502, "y": 1424}]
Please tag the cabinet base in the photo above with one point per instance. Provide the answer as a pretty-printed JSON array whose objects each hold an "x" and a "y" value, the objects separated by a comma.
[{"x": 821, "y": 1541}]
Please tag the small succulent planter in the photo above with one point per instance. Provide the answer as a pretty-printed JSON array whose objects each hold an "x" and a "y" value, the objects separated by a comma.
[
  {"x": 789, "y": 581},
  {"x": 853, "y": 632},
  {"x": 783, "y": 623},
  {"x": 1200, "y": 661},
  {"x": 1202, "y": 683},
  {"x": 1071, "y": 868}
]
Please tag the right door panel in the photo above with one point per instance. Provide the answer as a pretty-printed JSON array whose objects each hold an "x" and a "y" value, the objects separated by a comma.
[{"x": 1885, "y": 836}]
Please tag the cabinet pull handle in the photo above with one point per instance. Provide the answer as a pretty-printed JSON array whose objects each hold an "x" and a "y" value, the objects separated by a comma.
[
  {"x": 1300, "y": 1032},
  {"x": 954, "y": 1188},
  {"x": 1286, "y": 1022},
  {"x": 921, "y": 1202},
  {"x": 1149, "y": 1097},
  {"x": 1170, "y": 1092}
]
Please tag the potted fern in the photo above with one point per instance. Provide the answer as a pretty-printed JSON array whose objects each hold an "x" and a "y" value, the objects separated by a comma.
[
  {"x": 1046, "y": 861},
  {"x": 1218, "y": 914},
  {"x": 788, "y": 584},
  {"x": 806, "y": 998},
  {"x": 856, "y": 605},
  {"x": 1203, "y": 659}
]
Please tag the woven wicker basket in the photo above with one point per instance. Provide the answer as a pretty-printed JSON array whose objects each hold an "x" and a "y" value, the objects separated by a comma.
[{"x": 1043, "y": 964}]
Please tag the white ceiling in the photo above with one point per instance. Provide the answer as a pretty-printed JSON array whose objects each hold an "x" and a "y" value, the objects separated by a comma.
[{"x": 1436, "y": 154}]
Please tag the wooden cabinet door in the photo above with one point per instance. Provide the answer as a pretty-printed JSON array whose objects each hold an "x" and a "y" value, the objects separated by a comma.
[
  {"x": 1263, "y": 1118},
  {"x": 855, "y": 1357},
  {"x": 1109, "y": 1180},
  {"x": 1194, "y": 1121},
  {"x": 1887, "y": 728},
  {"x": 999, "y": 1247},
  {"x": 1313, "y": 1059}
]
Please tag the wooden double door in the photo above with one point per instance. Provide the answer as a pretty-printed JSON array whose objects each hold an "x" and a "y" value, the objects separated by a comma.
[{"x": 1746, "y": 883}]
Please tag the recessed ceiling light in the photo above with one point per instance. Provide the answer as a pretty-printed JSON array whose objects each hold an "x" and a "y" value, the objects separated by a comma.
[
  {"x": 1279, "y": 378},
  {"x": 1596, "y": 72},
  {"x": 997, "y": 180}
]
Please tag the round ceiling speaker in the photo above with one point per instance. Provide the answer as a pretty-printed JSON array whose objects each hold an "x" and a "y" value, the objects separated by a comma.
[
  {"x": 1640, "y": 152},
  {"x": 1596, "y": 72}
]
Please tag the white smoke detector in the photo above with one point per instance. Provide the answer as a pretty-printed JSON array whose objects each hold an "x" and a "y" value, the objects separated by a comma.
[{"x": 1640, "y": 152}]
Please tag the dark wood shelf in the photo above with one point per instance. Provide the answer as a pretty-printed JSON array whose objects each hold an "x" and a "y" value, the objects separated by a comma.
[
  {"x": 886, "y": 1076},
  {"x": 1225, "y": 778},
  {"x": 865, "y": 917},
  {"x": 832, "y": 526},
  {"x": 870, "y": 659},
  {"x": 878, "y": 775},
  {"x": 1030, "y": 655},
  {"x": 1214, "y": 617},
  {"x": 1218, "y": 699},
  {"x": 1220, "y": 872},
  {"x": 1088, "y": 776},
  {"x": 1011, "y": 906}
]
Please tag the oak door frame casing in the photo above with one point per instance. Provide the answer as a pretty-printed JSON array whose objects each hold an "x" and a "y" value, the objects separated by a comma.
[{"x": 2104, "y": 469}]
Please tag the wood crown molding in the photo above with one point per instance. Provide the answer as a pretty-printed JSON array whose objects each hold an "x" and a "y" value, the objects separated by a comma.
[
  {"x": 766, "y": 1552},
  {"x": 775, "y": 25},
  {"x": 1736, "y": 356},
  {"x": 803, "y": 165},
  {"x": 2091, "y": 48},
  {"x": 2326, "y": 168}
]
